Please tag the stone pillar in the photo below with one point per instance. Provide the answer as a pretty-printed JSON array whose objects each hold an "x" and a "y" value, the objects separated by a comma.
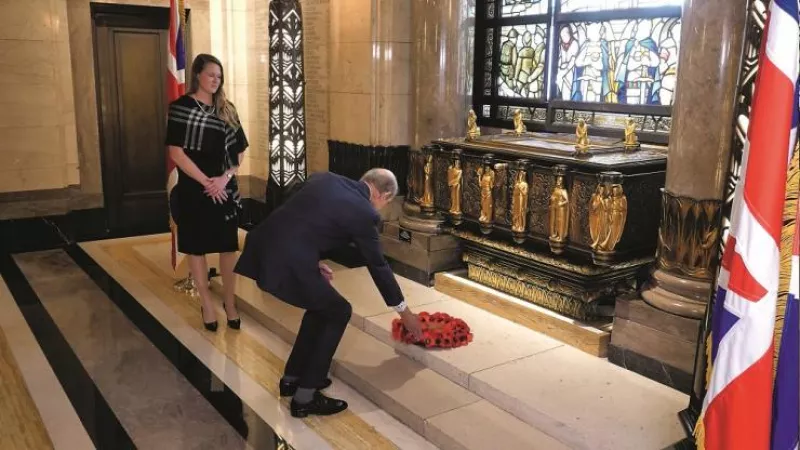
[
  {"x": 656, "y": 335},
  {"x": 712, "y": 41},
  {"x": 440, "y": 96},
  {"x": 439, "y": 102}
]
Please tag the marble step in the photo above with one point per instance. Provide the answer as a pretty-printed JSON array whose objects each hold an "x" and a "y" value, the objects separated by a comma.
[
  {"x": 444, "y": 412},
  {"x": 579, "y": 399}
]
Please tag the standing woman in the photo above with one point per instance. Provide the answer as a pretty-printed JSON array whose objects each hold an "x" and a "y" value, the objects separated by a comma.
[{"x": 207, "y": 143}]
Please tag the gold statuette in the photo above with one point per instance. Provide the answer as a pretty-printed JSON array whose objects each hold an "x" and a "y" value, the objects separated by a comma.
[
  {"x": 631, "y": 140},
  {"x": 519, "y": 126},
  {"x": 608, "y": 212},
  {"x": 582, "y": 135},
  {"x": 454, "y": 173},
  {"x": 598, "y": 220},
  {"x": 486, "y": 182},
  {"x": 473, "y": 131},
  {"x": 617, "y": 215},
  {"x": 427, "y": 193},
  {"x": 519, "y": 203},
  {"x": 559, "y": 212}
]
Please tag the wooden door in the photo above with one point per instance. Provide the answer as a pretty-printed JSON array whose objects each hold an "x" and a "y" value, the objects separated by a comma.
[{"x": 131, "y": 62}]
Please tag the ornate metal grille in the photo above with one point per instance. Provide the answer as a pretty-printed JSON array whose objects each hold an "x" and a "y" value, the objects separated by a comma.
[
  {"x": 287, "y": 122},
  {"x": 747, "y": 80}
]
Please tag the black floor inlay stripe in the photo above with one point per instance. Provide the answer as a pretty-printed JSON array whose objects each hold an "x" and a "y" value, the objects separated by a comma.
[
  {"x": 98, "y": 419},
  {"x": 250, "y": 426}
]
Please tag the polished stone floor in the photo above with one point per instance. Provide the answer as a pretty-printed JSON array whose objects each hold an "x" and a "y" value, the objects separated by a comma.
[
  {"x": 88, "y": 363},
  {"x": 99, "y": 351}
]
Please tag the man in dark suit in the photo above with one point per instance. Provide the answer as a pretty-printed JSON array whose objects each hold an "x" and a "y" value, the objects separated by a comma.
[{"x": 282, "y": 254}]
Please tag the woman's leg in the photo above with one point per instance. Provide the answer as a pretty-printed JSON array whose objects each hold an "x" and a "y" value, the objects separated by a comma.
[
  {"x": 199, "y": 270},
  {"x": 227, "y": 261}
]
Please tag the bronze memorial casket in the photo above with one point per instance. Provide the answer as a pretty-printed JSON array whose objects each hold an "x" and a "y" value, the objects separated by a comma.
[{"x": 563, "y": 226}]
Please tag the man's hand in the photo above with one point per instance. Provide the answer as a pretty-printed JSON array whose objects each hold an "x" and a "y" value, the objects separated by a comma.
[
  {"x": 326, "y": 271},
  {"x": 412, "y": 324}
]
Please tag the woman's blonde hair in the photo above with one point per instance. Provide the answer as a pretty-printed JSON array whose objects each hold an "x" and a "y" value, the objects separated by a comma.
[{"x": 225, "y": 109}]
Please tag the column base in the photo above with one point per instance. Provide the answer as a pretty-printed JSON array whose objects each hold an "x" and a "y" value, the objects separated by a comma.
[
  {"x": 418, "y": 255},
  {"x": 676, "y": 295},
  {"x": 654, "y": 343},
  {"x": 414, "y": 220}
]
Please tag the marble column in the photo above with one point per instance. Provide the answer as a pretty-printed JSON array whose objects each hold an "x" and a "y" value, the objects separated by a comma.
[
  {"x": 440, "y": 96},
  {"x": 438, "y": 108},
  {"x": 711, "y": 46}
]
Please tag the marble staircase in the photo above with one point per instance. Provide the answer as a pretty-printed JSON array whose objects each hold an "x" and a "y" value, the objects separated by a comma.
[{"x": 510, "y": 388}]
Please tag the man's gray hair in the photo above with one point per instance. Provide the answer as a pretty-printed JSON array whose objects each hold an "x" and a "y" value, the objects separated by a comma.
[{"x": 381, "y": 179}]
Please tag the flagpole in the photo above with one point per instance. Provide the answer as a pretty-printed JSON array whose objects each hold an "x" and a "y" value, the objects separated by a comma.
[{"x": 692, "y": 412}]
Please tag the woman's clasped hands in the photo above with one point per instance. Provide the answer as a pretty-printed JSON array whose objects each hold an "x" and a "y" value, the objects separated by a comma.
[{"x": 215, "y": 188}]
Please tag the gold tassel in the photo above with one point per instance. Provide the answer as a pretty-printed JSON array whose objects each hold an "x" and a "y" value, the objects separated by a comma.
[
  {"x": 787, "y": 235},
  {"x": 699, "y": 428},
  {"x": 700, "y": 434}
]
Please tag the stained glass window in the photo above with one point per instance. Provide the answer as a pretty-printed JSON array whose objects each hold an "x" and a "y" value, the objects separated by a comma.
[
  {"x": 514, "y": 8},
  {"x": 487, "y": 62},
  {"x": 600, "y": 5},
  {"x": 619, "y": 61},
  {"x": 560, "y": 60},
  {"x": 522, "y": 61}
]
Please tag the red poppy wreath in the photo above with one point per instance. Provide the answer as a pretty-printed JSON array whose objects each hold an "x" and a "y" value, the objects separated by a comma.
[{"x": 439, "y": 330}]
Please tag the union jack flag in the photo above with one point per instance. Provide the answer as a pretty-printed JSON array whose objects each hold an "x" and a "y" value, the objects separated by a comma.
[
  {"x": 176, "y": 79},
  {"x": 737, "y": 409},
  {"x": 786, "y": 406}
]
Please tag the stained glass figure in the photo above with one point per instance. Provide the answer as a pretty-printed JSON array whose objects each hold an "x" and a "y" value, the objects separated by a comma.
[
  {"x": 568, "y": 6},
  {"x": 619, "y": 61},
  {"x": 516, "y": 8},
  {"x": 522, "y": 61},
  {"x": 287, "y": 123}
]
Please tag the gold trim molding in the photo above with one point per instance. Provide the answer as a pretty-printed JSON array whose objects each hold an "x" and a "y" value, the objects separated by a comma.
[{"x": 688, "y": 235}]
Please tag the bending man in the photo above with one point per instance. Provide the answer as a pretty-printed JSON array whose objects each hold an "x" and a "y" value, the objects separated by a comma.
[{"x": 282, "y": 254}]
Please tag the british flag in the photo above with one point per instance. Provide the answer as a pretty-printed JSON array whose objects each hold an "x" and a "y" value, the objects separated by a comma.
[
  {"x": 786, "y": 406},
  {"x": 176, "y": 79},
  {"x": 737, "y": 409}
]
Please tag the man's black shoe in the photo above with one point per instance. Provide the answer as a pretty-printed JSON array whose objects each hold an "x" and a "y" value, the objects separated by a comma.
[
  {"x": 320, "y": 406},
  {"x": 289, "y": 388}
]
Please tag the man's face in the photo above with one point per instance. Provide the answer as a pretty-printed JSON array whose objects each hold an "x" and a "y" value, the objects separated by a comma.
[{"x": 379, "y": 201}]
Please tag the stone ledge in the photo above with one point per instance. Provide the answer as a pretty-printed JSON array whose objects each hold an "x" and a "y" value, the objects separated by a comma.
[{"x": 582, "y": 336}]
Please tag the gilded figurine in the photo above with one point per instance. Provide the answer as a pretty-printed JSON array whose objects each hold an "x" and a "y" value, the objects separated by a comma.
[
  {"x": 519, "y": 125},
  {"x": 473, "y": 131},
  {"x": 582, "y": 134},
  {"x": 427, "y": 193},
  {"x": 454, "y": 173},
  {"x": 519, "y": 203},
  {"x": 631, "y": 141},
  {"x": 597, "y": 215},
  {"x": 486, "y": 181},
  {"x": 616, "y": 214},
  {"x": 559, "y": 214}
]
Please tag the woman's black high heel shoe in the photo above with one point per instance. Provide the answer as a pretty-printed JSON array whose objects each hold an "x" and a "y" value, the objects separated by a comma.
[
  {"x": 234, "y": 324},
  {"x": 210, "y": 326}
]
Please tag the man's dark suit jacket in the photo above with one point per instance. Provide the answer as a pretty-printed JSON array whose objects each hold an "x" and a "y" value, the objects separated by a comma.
[{"x": 282, "y": 253}]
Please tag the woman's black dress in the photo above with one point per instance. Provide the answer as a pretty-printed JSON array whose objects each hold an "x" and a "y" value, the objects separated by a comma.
[{"x": 214, "y": 146}]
